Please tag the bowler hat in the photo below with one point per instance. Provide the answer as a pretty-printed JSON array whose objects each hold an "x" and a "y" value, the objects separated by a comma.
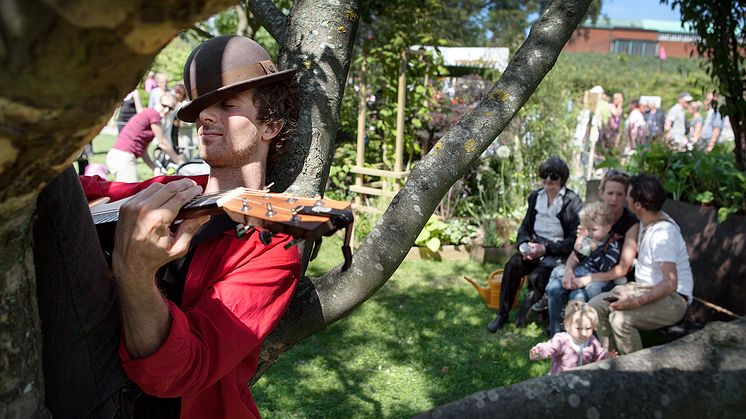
[{"x": 223, "y": 66}]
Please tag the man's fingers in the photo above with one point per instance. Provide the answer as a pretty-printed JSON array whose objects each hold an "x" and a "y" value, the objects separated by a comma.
[
  {"x": 175, "y": 199},
  {"x": 160, "y": 204},
  {"x": 157, "y": 194},
  {"x": 182, "y": 189}
]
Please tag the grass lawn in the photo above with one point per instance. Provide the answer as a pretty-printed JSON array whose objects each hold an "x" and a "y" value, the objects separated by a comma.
[{"x": 419, "y": 342}]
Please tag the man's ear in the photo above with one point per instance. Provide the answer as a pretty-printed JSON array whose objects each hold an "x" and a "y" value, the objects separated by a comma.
[{"x": 273, "y": 128}]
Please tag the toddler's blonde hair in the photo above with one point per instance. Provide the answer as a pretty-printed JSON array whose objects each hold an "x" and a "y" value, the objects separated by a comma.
[
  {"x": 577, "y": 308},
  {"x": 596, "y": 213}
]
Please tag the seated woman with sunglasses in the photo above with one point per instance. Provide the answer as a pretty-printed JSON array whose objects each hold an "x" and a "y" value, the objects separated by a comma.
[
  {"x": 135, "y": 137},
  {"x": 546, "y": 236},
  {"x": 564, "y": 285}
]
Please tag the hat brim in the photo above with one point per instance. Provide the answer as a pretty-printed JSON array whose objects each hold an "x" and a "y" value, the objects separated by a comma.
[{"x": 190, "y": 111}]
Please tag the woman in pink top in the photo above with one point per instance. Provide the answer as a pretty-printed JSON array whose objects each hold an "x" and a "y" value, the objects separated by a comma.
[
  {"x": 577, "y": 346},
  {"x": 132, "y": 142}
]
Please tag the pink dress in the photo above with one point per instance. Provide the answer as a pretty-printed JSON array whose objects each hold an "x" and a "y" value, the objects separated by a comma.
[{"x": 567, "y": 355}]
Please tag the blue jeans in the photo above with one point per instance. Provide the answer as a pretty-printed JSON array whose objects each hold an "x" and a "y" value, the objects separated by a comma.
[{"x": 557, "y": 296}]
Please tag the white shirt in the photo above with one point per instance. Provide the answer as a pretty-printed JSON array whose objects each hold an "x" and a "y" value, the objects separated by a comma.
[
  {"x": 662, "y": 242},
  {"x": 677, "y": 116},
  {"x": 547, "y": 224}
]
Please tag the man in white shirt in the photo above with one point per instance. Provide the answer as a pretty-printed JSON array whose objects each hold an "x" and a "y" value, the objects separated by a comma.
[
  {"x": 712, "y": 125},
  {"x": 663, "y": 276},
  {"x": 675, "y": 126}
]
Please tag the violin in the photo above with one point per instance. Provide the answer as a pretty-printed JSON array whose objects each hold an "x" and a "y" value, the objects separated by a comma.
[{"x": 303, "y": 218}]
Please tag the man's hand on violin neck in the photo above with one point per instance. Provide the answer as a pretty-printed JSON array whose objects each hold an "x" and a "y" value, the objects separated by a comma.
[{"x": 144, "y": 240}]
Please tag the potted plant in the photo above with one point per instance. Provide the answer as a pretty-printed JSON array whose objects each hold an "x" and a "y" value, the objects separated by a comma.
[
  {"x": 495, "y": 242},
  {"x": 444, "y": 240}
]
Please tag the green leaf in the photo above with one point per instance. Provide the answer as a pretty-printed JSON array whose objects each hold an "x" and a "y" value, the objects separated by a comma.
[
  {"x": 417, "y": 123},
  {"x": 704, "y": 197},
  {"x": 433, "y": 244},
  {"x": 422, "y": 237},
  {"x": 725, "y": 212}
]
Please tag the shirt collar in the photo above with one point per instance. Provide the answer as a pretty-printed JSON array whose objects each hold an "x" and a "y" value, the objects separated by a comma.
[{"x": 561, "y": 193}]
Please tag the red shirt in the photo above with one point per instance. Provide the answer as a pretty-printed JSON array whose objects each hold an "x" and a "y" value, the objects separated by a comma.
[
  {"x": 137, "y": 134},
  {"x": 235, "y": 293}
]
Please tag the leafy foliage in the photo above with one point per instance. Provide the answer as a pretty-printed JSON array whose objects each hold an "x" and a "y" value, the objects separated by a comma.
[
  {"x": 697, "y": 177},
  {"x": 171, "y": 59},
  {"x": 437, "y": 233},
  {"x": 340, "y": 176}
]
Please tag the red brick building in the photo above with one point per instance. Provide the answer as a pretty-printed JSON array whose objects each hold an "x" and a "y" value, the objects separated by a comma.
[{"x": 643, "y": 37}]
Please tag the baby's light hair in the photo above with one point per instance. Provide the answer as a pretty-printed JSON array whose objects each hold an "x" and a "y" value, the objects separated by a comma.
[
  {"x": 596, "y": 213},
  {"x": 578, "y": 308}
]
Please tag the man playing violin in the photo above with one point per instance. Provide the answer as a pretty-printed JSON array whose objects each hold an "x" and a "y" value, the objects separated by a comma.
[{"x": 182, "y": 323}]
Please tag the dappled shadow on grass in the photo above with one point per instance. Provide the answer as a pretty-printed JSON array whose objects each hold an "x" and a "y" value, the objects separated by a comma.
[{"x": 419, "y": 342}]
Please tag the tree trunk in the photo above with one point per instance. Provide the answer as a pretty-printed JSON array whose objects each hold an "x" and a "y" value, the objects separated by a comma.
[
  {"x": 702, "y": 375},
  {"x": 316, "y": 39},
  {"x": 737, "y": 117},
  {"x": 21, "y": 380},
  {"x": 66, "y": 65}
]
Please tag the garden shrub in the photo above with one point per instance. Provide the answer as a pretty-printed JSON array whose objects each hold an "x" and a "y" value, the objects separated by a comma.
[{"x": 695, "y": 176}]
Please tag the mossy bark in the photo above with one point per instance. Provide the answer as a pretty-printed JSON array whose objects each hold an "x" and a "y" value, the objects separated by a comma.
[{"x": 702, "y": 375}]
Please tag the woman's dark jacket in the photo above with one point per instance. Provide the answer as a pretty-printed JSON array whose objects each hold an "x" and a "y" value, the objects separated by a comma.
[{"x": 568, "y": 217}]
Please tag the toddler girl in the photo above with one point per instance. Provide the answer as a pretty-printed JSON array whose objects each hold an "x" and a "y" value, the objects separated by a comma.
[{"x": 575, "y": 347}]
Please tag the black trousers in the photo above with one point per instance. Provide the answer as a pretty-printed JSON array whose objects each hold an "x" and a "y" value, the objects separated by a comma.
[
  {"x": 78, "y": 306},
  {"x": 515, "y": 269}
]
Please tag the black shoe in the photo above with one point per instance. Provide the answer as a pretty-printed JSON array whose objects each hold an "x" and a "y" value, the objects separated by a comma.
[
  {"x": 521, "y": 320},
  {"x": 499, "y": 322},
  {"x": 540, "y": 305}
]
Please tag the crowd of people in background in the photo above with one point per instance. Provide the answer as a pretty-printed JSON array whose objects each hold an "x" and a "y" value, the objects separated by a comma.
[{"x": 689, "y": 124}]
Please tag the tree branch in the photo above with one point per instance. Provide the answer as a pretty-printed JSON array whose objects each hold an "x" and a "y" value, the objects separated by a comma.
[
  {"x": 661, "y": 382},
  {"x": 386, "y": 246},
  {"x": 321, "y": 301},
  {"x": 272, "y": 18}
]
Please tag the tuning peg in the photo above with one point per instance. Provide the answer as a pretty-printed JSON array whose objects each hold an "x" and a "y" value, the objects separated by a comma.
[
  {"x": 245, "y": 205},
  {"x": 265, "y": 236},
  {"x": 270, "y": 212},
  {"x": 294, "y": 218},
  {"x": 319, "y": 202},
  {"x": 241, "y": 230}
]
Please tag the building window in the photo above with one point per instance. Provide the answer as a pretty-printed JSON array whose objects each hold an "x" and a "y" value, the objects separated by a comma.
[{"x": 635, "y": 47}]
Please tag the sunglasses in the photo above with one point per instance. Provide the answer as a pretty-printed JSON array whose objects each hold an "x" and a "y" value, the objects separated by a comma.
[
  {"x": 550, "y": 175},
  {"x": 167, "y": 107}
]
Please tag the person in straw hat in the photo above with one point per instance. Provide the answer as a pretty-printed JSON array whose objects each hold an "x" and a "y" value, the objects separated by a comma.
[{"x": 184, "y": 324}]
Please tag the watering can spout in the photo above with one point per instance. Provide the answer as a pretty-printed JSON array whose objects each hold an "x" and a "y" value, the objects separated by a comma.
[
  {"x": 491, "y": 293},
  {"x": 483, "y": 291}
]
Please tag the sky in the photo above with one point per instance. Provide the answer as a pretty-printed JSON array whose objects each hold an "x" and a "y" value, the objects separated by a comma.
[{"x": 638, "y": 9}]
